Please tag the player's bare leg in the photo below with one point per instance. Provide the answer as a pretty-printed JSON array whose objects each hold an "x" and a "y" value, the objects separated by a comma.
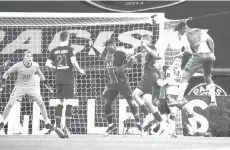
[
  {"x": 155, "y": 111},
  {"x": 68, "y": 117},
  {"x": 58, "y": 117},
  {"x": 134, "y": 111},
  {"x": 183, "y": 84},
  {"x": 172, "y": 121},
  {"x": 137, "y": 97},
  {"x": 181, "y": 90},
  {"x": 7, "y": 110},
  {"x": 44, "y": 114}
]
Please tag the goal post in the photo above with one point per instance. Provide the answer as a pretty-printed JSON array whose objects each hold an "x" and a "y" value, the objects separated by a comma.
[{"x": 39, "y": 32}]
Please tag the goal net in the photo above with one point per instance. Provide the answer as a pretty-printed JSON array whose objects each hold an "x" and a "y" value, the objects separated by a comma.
[{"x": 39, "y": 34}]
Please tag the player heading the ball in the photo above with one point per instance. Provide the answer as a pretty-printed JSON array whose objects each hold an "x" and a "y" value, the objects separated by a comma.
[{"x": 202, "y": 46}]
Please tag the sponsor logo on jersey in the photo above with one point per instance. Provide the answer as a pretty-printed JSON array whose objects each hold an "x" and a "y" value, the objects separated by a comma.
[{"x": 201, "y": 89}]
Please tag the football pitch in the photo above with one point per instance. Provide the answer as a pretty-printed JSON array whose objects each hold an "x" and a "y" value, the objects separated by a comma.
[{"x": 113, "y": 142}]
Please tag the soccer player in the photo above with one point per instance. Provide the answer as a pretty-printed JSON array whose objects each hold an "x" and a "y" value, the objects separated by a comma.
[
  {"x": 202, "y": 46},
  {"x": 169, "y": 93},
  {"x": 25, "y": 85},
  {"x": 152, "y": 71},
  {"x": 115, "y": 69},
  {"x": 63, "y": 61}
]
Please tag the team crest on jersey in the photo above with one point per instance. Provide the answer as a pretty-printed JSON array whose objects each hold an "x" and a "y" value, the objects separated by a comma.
[
  {"x": 32, "y": 71},
  {"x": 201, "y": 89}
]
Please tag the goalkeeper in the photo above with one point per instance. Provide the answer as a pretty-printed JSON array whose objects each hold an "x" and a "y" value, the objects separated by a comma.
[
  {"x": 26, "y": 85},
  {"x": 114, "y": 63}
]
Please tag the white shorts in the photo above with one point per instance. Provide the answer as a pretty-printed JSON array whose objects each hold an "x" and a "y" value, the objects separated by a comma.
[{"x": 32, "y": 92}]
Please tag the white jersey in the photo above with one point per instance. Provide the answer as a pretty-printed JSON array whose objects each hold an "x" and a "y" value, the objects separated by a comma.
[
  {"x": 173, "y": 77},
  {"x": 25, "y": 75},
  {"x": 197, "y": 39}
]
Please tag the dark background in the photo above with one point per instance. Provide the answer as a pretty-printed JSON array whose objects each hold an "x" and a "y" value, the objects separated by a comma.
[{"x": 218, "y": 25}]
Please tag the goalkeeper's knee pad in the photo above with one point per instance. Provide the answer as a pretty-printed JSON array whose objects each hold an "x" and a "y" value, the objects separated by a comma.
[
  {"x": 58, "y": 112},
  {"x": 69, "y": 111}
]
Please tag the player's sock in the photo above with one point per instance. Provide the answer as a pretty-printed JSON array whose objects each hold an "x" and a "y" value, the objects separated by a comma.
[
  {"x": 137, "y": 119},
  {"x": 192, "y": 123},
  {"x": 144, "y": 110},
  {"x": 58, "y": 115},
  {"x": 211, "y": 89},
  {"x": 6, "y": 112},
  {"x": 133, "y": 109},
  {"x": 43, "y": 110},
  {"x": 172, "y": 124},
  {"x": 182, "y": 88},
  {"x": 109, "y": 119},
  {"x": 68, "y": 115},
  {"x": 157, "y": 116},
  {"x": 108, "y": 111}
]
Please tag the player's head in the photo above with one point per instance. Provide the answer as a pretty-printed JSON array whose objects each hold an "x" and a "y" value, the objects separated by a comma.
[
  {"x": 28, "y": 57},
  {"x": 146, "y": 38},
  {"x": 159, "y": 64},
  {"x": 181, "y": 27},
  {"x": 64, "y": 36},
  {"x": 176, "y": 63},
  {"x": 110, "y": 45}
]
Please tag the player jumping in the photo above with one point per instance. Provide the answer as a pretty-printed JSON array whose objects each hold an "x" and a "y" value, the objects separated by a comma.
[
  {"x": 25, "y": 85},
  {"x": 63, "y": 61},
  {"x": 152, "y": 71},
  {"x": 203, "y": 56},
  {"x": 115, "y": 67}
]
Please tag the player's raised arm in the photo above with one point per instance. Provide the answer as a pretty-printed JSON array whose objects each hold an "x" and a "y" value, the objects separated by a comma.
[
  {"x": 145, "y": 42},
  {"x": 74, "y": 61},
  {"x": 76, "y": 65},
  {"x": 137, "y": 54},
  {"x": 102, "y": 55},
  {"x": 43, "y": 80},
  {"x": 50, "y": 60},
  {"x": 210, "y": 44},
  {"x": 6, "y": 74}
]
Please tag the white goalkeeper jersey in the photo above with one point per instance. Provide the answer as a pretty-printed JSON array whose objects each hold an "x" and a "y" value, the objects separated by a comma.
[
  {"x": 25, "y": 75},
  {"x": 197, "y": 40}
]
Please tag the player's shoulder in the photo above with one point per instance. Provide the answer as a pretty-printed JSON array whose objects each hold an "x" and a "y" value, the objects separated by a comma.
[
  {"x": 35, "y": 64},
  {"x": 152, "y": 46},
  {"x": 20, "y": 63},
  {"x": 120, "y": 52},
  {"x": 54, "y": 49}
]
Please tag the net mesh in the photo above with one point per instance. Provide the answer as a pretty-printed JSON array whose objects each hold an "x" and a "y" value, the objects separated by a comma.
[{"x": 40, "y": 35}]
